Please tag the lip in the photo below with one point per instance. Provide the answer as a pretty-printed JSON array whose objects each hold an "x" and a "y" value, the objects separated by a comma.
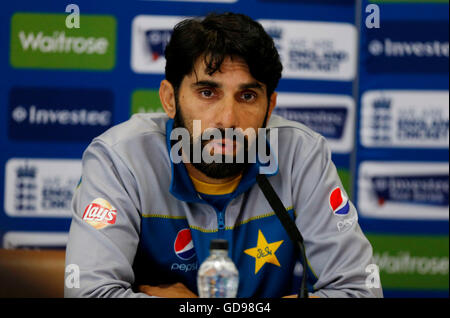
[{"x": 222, "y": 146}]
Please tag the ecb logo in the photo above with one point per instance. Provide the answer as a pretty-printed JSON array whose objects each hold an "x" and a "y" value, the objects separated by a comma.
[{"x": 157, "y": 41}]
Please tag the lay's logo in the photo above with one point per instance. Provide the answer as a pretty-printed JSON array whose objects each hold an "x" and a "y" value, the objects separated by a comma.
[
  {"x": 100, "y": 213},
  {"x": 339, "y": 202}
]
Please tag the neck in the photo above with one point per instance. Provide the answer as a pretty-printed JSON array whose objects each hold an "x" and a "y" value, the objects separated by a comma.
[{"x": 203, "y": 177}]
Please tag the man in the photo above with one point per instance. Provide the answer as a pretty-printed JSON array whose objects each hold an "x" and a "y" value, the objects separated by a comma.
[{"x": 143, "y": 221}]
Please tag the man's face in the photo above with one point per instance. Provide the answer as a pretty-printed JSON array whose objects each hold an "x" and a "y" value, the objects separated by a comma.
[{"x": 229, "y": 98}]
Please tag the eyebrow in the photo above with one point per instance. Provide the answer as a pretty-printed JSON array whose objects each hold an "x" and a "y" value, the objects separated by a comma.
[
  {"x": 255, "y": 85},
  {"x": 207, "y": 83},
  {"x": 213, "y": 84}
]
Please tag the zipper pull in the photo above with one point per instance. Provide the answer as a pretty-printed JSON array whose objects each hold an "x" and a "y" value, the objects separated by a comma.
[{"x": 220, "y": 221}]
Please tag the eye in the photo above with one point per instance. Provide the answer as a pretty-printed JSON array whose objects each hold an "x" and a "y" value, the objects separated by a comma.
[
  {"x": 248, "y": 96},
  {"x": 206, "y": 93}
]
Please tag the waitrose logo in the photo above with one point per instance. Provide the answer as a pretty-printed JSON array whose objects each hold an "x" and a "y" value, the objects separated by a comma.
[
  {"x": 58, "y": 42},
  {"x": 415, "y": 262},
  {"x": 43, "y": 41}
]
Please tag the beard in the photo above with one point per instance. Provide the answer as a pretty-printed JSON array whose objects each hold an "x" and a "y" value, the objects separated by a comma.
[{"x": 215, "y": 170}]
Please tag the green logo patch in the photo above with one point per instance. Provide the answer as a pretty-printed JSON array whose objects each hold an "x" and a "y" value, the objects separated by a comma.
[
  {"x": 41, "y": 40},
  {"x": 146, "y": 101},
  {"x": 412, "y": 262}
]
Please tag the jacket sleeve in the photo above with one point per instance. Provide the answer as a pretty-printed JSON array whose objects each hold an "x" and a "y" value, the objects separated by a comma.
[
  {"x": 104, "y": 232},
  {"x": 338, "y": 253}
]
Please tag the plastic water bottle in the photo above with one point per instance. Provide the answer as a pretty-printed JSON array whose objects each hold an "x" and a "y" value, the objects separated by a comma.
[{"x": 218, "y": 276}]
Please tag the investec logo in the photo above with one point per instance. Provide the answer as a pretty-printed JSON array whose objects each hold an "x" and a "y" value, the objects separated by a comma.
[
  {"x": 403, "y": 190},
  {"x": 408, "y": 47},
  {"x": 43, "y": 41},
  {"x": 391, "y": 48},
  {"x": 329, "y": 115},
  {"x": 59, "y": 114}
]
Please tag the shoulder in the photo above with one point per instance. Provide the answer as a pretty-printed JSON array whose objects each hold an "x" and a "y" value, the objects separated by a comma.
[
  {"x": 139, "y": 126},
  {"x": 141, "y": 138}
]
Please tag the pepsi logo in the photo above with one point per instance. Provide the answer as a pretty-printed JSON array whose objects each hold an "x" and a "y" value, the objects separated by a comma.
[
  {"x": 339, "y": 202},
  {"x": 184, "y": 246}
]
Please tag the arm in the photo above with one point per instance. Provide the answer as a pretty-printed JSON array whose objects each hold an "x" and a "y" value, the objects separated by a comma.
[
  {"x": 336, "y": 249},
  {"x": 177, "y": 290},
  {"x": 104, "y": 252}
]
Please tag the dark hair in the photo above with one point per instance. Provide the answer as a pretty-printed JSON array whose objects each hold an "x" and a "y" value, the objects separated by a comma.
[{"x": 216, "y": 37}]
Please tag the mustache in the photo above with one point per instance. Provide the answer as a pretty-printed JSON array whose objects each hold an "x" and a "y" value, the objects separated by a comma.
[{"x": 228, "y": 135}]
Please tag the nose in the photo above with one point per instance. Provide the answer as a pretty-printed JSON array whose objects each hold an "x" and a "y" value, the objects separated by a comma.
[{"x": 227, "y": 114}]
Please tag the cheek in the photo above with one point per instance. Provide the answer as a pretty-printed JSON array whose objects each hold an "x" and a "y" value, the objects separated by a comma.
[
  {"x": 193, "y": 120},
  {"x": 253, "y": 117}
]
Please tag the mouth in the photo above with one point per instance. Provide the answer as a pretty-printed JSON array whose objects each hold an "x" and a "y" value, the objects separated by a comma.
[{"x": 221, "y": 146}]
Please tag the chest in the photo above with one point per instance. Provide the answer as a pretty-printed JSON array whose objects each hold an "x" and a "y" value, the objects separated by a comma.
[{"x": 174, "y": 245}]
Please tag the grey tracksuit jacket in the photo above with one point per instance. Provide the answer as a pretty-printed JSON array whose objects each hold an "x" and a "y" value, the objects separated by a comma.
[{"x": 137, "y": 219}]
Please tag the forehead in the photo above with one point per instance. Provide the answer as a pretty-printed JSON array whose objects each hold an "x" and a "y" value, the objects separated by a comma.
[{"x": 231, "y": 66}]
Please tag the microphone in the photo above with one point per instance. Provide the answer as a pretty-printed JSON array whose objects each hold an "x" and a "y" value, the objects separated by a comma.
[{"x": 288, "y": 224}]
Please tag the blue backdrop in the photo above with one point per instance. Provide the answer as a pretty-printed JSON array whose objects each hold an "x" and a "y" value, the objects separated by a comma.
[{"x": 379, "y": 93}]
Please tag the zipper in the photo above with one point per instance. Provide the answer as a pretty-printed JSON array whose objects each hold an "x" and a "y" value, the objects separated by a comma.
[
  {"x": 220, "y": 224},
  {"x": 220, "y": 221},
  {"x": 221, "y": 218}
]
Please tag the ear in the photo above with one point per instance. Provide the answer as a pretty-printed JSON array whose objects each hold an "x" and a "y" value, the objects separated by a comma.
[
  {"x": 272, "y": 104},
  {"x": 167, "y": 97}
]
